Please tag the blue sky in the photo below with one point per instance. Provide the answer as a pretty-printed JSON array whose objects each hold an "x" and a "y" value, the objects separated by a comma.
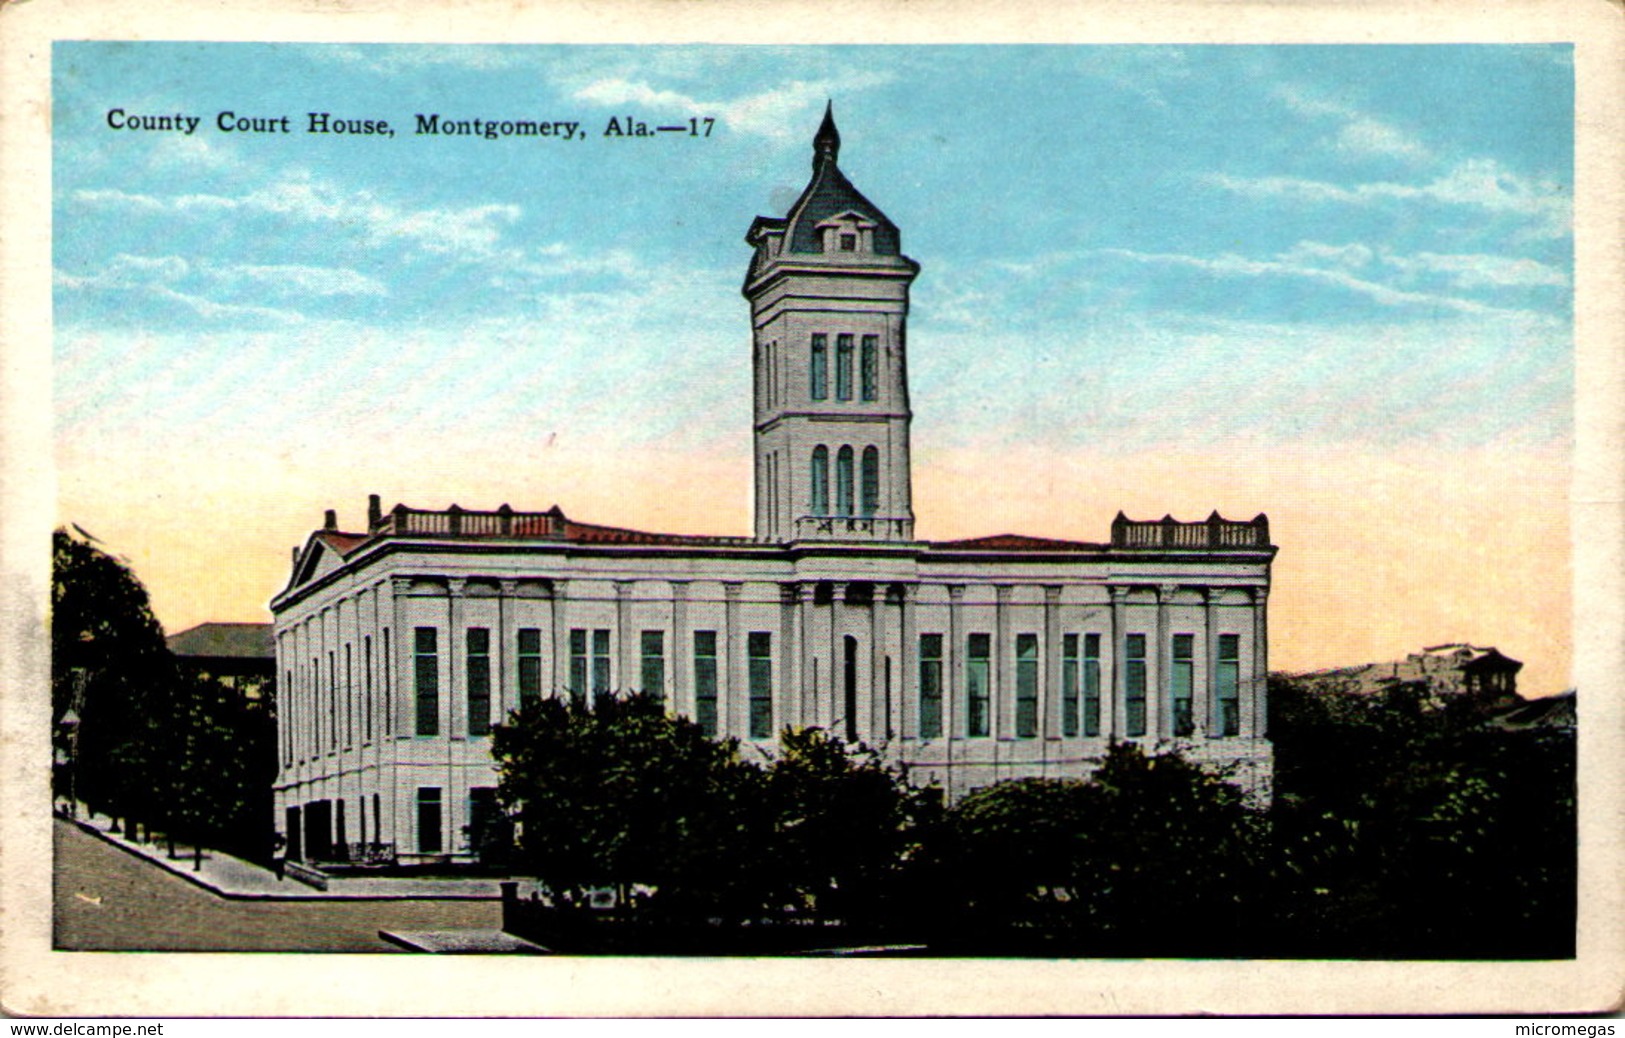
[
  {"x": 1266, "y": 244},
  {"x": 1332, "y": 283}
]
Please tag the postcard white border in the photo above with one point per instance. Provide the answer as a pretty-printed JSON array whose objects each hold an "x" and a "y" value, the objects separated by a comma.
[{"x": 35, "y": 980}]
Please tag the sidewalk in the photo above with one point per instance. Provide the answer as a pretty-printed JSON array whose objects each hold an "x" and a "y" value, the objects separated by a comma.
[{"x": 232, "y": 877}]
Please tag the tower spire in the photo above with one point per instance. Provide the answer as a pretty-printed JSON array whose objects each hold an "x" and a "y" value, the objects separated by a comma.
[{"x": 827, "y": 143}]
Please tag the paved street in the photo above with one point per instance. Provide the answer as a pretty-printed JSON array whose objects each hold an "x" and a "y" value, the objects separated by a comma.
[{"x": 107, "y": 900}]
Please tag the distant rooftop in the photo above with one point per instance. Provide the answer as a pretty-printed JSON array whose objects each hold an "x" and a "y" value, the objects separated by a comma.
[{"x": 224, "y": 640}]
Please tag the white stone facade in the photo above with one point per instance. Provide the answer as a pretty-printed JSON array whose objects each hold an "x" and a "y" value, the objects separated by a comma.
[{"x": 967, "y": 661}]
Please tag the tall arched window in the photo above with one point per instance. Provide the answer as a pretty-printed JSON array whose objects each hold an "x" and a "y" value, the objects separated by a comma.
[
  {"x": 843, "y": 482},
  {"x": 820, "y": 480},
  {"x": 870, "y": 501}
]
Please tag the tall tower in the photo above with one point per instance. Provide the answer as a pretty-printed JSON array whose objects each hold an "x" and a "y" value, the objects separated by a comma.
[{"x": 828, "y": 290}]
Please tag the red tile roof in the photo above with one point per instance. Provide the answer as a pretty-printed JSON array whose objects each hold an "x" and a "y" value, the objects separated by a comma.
[{"x": 1015, "y": 542}]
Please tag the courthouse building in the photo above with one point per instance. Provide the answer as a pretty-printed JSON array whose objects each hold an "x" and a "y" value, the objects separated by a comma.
[{"x": 400, "y": 645}]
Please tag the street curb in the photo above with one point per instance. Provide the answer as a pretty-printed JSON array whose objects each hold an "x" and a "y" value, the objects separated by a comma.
[{"x": 204, "y": 884}]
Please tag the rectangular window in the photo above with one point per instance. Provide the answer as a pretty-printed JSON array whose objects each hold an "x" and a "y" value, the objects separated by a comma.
[
  {"x": 1026, "y": 686},
  {"x": 1134, "y": 684},
  {"x": 654, "y": 664},
  {"x": 1229, "y": 684},
  {"x": 389, "y": 703},
  {"x": 820, "y": 367},
  {"x": 479, "y": 681},
  {"x": 600, "y": 663},
  {"x": 1181, "y": 680},
  {"x": 289, "y": 724},
  {"x": 349, "y": 699},
  {"x": 366, "y": 692},
  {"x": 759, "y": 655},
  {"x": 705, "y": 681},
  {"x": 530, "y": 664},
  {"x": 978, "y": 692},
  {"x": 930, "y": 686},
  {"x": 1091, "y": 684},
  {"x": 870, "y": 363},
  {"x": 843, "y": 367},
  {"x": 427, "y": 673},
  {"x": 578, "y": 665},
  {"x": 332, "y": 700},
  {"x": 1069, "y": 685},
  {"x": 429, "y": 840},
  {"x": 849, "y": 243}
]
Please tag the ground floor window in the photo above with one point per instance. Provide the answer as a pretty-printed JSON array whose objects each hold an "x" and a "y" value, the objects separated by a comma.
[
  {"x": 978, "y": 691},
  {"x": 479, "y": 681},
  {"x": 653, "y": 644},
  {"x": 1134, "y": 685},
  {"x": 427, "y": 674},
  {"x": 429, "y": 841},
  {"x": 530, "y": 664},
  {"x": 1091, "y": 684},
  {"x": 1228, "y": 684},
  {"x": 759, "y": 653},
  {"x": 1181, "y": 682},
  {"x": 930, "y": 686},
  {"x": 1026, "y": 686},
  {"x": 589, "y": 663},
  {"x": 705, "y": 681}
]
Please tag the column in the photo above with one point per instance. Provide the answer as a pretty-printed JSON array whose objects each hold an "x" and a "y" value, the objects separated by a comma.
[
  {"x": 1115, "y": 717},
  {"x": 454, "y": 721},
  {"x": 1159, "y": 710},
  {"x": 787, "y": 650},
  {"x": 626, "y": 671},
  {"x": 731, "y": 710},
  {"x": 1258, "y": 715},
  {"x": 954, "y": 724},
  {"x": 833, "y": 705},
  {"x": 875, "y": 715},
  {"x": 1049, "y": 689},
  {"x": 807, "y": 694},
  {"x": 682, "y": 651},
  {"x": 560, "y": 638},
  {"x": 1206, "y": 689},
  {"x": 908, "y": 678},
  {"x": 1003, "y": 688},
  {"x": 506, "y": 697}
]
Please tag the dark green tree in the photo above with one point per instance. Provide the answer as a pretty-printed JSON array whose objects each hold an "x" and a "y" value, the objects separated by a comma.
[
  {"x": 1407, "y": 829},
  {"x": 1151, "y": 855},
  {"x": 844, "y": 824},
  {"x": 111, "y": 669},
  {"x": 618, "y": 794}
]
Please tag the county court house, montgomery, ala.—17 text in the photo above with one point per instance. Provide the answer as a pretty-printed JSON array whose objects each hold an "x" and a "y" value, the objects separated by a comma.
[{"x": 970, "y": 661}]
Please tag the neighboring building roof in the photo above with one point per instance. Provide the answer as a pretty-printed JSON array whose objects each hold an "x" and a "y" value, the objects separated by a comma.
[{"x": 224, "y": 640}]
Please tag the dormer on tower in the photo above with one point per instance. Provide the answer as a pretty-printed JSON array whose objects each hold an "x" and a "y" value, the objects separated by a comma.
[{"x": 828, "y": 287}]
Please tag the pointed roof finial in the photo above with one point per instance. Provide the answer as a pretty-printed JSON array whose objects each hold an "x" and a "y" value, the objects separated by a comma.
[{"x": 827, "y": 143}]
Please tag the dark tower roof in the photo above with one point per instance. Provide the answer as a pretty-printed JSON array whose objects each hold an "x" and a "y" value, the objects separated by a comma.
[{"x": 830, "y": 194}]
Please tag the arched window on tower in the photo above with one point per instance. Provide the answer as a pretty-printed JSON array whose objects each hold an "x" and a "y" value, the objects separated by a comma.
[
  {"x": 870, "y": 501},
  {"x": 843, "y": 482},
  {"x": 820, "y": 480}
]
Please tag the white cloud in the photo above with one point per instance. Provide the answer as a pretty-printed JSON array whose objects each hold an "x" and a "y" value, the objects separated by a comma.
[
  {"x": 473, "y": 232},
  {"x": 1481, "y": 271},
  {"x": 1477, "y": 183},
  {"x": 396, "y": 59},
  {"x": 1361, "y": 133},
  {"x": 1232, "y": 265},
  {"x": 307, "y": 280},
  {"x": 127, "y": 271},
  {"x": 1366, "y": 136}
]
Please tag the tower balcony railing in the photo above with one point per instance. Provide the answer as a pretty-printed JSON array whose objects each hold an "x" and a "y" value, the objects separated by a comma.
[
  {"x": 854, "y": 528},
  {"x": 1212, "y": 533}
]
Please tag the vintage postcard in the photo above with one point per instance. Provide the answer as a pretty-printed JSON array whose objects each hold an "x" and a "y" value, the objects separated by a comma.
[{"x": 1040, "y": 509}]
